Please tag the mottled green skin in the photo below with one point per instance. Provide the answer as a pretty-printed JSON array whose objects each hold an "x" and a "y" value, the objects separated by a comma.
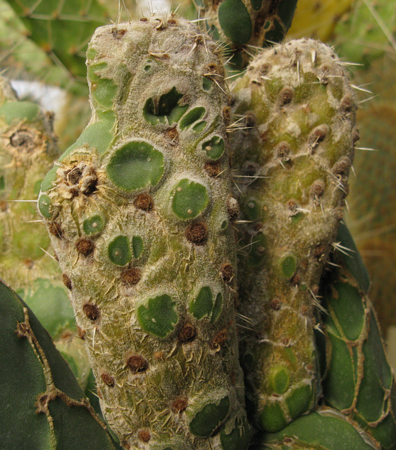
[
  {"x": 41, "y": 403},
  {"x": 142, "y": 200},
  {"x": 240, "y": 24},
  {"x": 358, "y": 379},
  {"x": 291, "y": 158},
  {"x": 326, "y": 429}
]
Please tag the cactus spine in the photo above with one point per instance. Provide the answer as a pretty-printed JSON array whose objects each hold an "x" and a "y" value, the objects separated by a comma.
[
  {"x": 143, "y": 211},
  {"x": 292, "y": 157}
]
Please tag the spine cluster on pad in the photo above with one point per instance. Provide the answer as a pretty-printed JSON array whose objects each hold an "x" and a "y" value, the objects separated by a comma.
[
  {"x": 291, "y": 155},
  {"x": 140, "y": 215}
]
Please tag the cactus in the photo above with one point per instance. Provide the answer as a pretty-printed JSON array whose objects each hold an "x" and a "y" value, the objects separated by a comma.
[
  {"x": 39, "y": 390},
  {"x": 27, "y": 150},
  {"x": 358, "y": 379},
  {"x": 155, "y": 231},
  {"x": 325, "y": 429},
  {"x": 242, "y": 24},
  {"x": 142, "y": 218},
  {"x": 292, "y": 158}
]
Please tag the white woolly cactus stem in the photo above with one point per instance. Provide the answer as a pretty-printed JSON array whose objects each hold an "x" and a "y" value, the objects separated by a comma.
[
  {"x": 292, "y": 159},
  {"x": 143, "y": 212}
]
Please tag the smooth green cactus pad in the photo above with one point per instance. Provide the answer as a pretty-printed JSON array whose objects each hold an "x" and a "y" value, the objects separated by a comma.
[
  {"x": 147, "y": 241},
  {"x": 326, "y": 429},
  {"x": 42, "y": 403},
  {"x": 358, "y": 379},
  {"x": 291, "y": 158}
]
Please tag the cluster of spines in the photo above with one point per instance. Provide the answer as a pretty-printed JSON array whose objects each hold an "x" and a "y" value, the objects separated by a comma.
[
  {"x": 292, "y": 158},
  {"x": 142, "y": 224}
]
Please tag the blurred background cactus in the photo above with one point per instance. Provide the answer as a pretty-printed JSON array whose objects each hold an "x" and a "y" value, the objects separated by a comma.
[{"x": 44, "y": 42}]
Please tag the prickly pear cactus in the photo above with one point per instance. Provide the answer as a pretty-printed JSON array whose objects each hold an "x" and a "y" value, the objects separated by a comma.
[
  {"x": 140, "y": 214},
  {"x": 42, "y": 405},
  {"x": 27, "y": 150},
  {"x": 242, "y": 24},
  {"x": 292, "y": 151},
  {"x": 326, "y": 429},
  {"x": 62, "y": 29},
  {"x": 358, "y": 379}
]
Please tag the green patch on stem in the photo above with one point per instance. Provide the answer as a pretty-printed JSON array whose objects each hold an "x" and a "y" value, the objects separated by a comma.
[
  {"x": 137, "y": 246},
  {"x": 214, "y": 147},
  {"x": 191, "y": 117},
  {"x": 272, "y": 418},
  {"x": 217, "y": 307},
  {"x": 136, "y": 165},
  {"x": 44, "y": 204},
  {"x": 94, "y": 224},
  {"x": 189, "y": 199},
  {"x": 203, "y": 305},
  {"x": 210, "y": 417},
  {"x": 279, "y": 379},
  {"x": 166, "y": 109},
  {"x": 119, "y": 251},
  {"x": 158, "y": 316}
]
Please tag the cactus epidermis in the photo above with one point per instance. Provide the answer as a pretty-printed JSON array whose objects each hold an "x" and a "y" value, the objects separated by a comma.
[
  {"x": 142, "y": 202},
  {"x": 292, "y": 158}
]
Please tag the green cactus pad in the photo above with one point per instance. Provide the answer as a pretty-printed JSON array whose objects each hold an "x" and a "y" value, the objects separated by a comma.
[
  {"x": 159, "y": 317},
  {"x": 189, "y": 199},
  {"x": 136, "y": 165},
  {"x": 235, "y": 21},
  {"x": 285, "y": 166},
  {"x": 157, "y": 345},
  {"x": 323, "y": 430},
  {"x": 119, "y": 251},
  {"x": 44, "y": 405},
  {"x": 210, "y": 417},
  {"x": 359, "y": 380}
]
